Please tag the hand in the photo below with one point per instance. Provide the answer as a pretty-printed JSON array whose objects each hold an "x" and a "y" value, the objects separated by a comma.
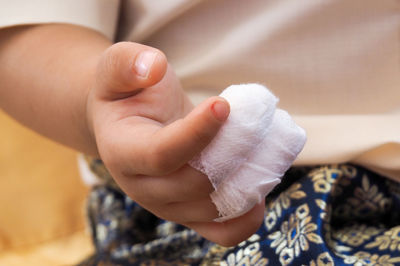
[{"x": 146, "y": 132}]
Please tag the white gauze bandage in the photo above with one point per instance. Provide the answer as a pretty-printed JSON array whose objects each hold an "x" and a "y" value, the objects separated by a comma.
[{"x": 251, "y": 152}]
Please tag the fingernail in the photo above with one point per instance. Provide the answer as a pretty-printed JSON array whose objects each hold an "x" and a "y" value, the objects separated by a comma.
[
  {"x": 143, "y": 63},
  {"x": 220, "y": 110}
]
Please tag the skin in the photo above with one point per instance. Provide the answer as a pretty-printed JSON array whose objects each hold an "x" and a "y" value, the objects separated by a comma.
[{"x": 79, "y": 89}]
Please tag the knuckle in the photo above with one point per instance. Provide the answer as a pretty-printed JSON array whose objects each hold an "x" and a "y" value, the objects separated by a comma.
[
  {"x": 112, "y": 56},
  {"x": 158, "y": 165},
  {"x": 115, "y": 50},
  {"x": 159, "y": 162},
  {"x": 203, "y": 136},
  {"x": 137, "y": 188}
]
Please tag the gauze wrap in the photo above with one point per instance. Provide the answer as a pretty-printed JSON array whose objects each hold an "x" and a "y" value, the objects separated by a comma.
[{"x": 251, "y": 152}]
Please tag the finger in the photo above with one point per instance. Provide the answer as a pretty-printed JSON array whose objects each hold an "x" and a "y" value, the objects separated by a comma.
[
  {"x": 174, "y": 145},
  {"x": 126, "y": 67},
  {"x": 185, "y": 212},
  {"x": 234, "y": 231},
  {"x": 186, "y": 184}
]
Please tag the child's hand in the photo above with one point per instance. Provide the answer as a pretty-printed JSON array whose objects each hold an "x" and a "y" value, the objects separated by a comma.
[{"x": 146, "y": 132}]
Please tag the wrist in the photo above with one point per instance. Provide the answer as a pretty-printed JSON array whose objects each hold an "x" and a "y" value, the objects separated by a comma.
[{"x": 88, "y": 112}]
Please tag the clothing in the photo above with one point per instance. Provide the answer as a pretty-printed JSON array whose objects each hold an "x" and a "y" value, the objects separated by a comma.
[
  {"x": 334, "y": 65},
  {"x": 328, "y": 215}
]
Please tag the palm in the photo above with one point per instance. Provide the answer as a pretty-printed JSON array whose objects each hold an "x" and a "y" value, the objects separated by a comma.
[{"x": 129, "y": 121}]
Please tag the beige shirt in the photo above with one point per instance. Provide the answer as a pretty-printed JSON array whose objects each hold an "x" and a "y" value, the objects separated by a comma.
[{"x": 335, "y": 65}]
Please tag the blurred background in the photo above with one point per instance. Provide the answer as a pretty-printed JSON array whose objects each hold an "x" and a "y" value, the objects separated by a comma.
[{"x": 42, "y": 200}]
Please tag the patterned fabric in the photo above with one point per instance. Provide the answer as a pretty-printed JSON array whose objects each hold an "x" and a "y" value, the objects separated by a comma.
[{"x": 328, "y": 215}]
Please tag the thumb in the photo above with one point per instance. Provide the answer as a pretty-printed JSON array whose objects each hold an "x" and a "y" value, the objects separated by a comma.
[
  {"x": 126, "y": 67},
  {"x": 176, "y": 144}
]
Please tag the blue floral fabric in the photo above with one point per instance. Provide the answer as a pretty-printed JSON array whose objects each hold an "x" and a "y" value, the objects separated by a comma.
[{"x": 327, "y": 215}]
